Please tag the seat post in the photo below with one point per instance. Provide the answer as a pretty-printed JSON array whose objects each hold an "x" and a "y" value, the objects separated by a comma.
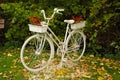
[{"x": 66, "y": 33}]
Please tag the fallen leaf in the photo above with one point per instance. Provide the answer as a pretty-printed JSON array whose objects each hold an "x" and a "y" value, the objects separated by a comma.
[
  {"x": 9, "y": 55},
  {"x": 99, "y": 78}
]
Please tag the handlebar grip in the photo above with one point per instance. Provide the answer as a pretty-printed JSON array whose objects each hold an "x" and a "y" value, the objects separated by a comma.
[
  {"x": 42, "y": 11},
  {"x": 60, "y": 10}
]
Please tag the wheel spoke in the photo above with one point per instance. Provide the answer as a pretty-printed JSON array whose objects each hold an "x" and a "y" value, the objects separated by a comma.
[{"x": 75, "y": 45}]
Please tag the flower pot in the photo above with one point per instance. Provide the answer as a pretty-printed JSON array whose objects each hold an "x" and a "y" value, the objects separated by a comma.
[
  {"x": 36, "y": 28},
  {"x": 78, "y": 25}
]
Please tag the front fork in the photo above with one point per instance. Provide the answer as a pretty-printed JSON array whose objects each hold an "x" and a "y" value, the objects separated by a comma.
[{"x": 40, "y": 42}]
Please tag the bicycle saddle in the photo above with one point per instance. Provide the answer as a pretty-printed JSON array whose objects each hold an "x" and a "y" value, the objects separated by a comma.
[{"x": 69, "y": 21}]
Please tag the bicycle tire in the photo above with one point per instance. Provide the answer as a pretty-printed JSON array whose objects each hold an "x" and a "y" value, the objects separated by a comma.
[
  {"x": 36, "y": 55},
  {"x": 75, "y": 45}
]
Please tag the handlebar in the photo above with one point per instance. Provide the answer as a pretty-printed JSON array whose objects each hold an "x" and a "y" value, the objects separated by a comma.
[{"x": 56, "y": 10}]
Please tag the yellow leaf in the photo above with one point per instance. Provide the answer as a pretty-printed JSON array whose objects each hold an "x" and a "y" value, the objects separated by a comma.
[
  {"x": 91, "y": 55},
  {"x": 99, "y": 78},
  {"x": 101, "y": 64},
  {"x": 60, "y": 72},
  {"x": 10, "y": 72},
  {"x": 5, "y": 76},
  {"x": 86, "y": 76},
  {"x": 75, "y": 54},
  {"x": 77, "y": 70},
  {"x": 26, "y": 58},
  {"x": 1, "y": 73},
  {"x": 9, "y": 55}
]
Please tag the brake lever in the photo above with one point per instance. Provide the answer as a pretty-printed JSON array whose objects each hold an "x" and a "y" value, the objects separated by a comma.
[{"x": 60, "y": 13}]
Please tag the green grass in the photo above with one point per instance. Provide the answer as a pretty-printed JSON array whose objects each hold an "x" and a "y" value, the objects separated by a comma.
[
  {"x": 88, "y": 68},
  {"x": 10, "y": 65}
]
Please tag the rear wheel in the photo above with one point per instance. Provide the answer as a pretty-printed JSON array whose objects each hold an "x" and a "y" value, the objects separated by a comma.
[
  {"x": 75, "y": 45},
  {"x": 36, "y": 52}
]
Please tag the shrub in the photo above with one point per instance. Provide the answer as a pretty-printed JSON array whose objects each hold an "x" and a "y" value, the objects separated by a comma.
[
  {"x": 16, "y": 17},
  {"x": 102, "y": 17},
  {"x": 103, "y": 26}
]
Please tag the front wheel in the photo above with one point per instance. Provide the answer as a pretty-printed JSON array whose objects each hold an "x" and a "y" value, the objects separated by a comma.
[
  {"x": 36, "y": 52},
  {"x": 75, "y": 45}
]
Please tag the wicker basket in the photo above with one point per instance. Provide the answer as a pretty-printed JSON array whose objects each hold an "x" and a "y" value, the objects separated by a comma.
[
  {"x": 36, "y": 28},
  {"x": 78, "y": 25}
]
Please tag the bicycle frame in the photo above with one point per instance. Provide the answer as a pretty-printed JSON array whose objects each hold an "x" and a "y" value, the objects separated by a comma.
[
  {"x": 55, "y": 39},
  {"x": 50, "y": 33}
]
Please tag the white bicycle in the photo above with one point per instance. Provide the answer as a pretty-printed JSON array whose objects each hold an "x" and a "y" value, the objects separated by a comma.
[{"x": 38, "y": 50}]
